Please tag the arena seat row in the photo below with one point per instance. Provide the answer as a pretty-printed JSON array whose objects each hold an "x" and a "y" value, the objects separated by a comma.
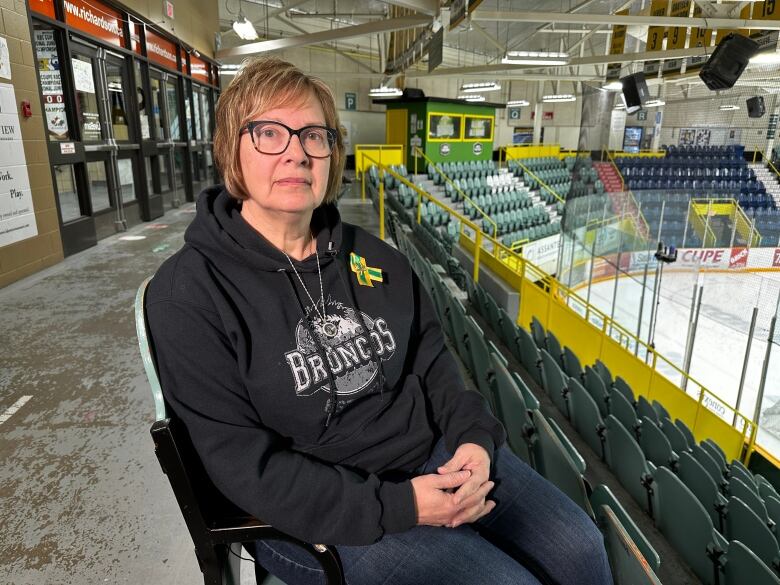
[
  {"x": 677, "y": 512},
  {"x": 497, "y": 183},
  {"x": 462, "y": 170},
  {"x": 662, "y": 171}
]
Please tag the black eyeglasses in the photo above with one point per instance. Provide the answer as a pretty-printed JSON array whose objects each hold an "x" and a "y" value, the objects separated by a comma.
[{"x": 274, "y": 138}]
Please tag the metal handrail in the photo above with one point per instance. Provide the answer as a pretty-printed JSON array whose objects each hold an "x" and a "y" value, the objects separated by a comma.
[
  {"x": 542, "y": 183},
  {"x": 454, "y": 186}
]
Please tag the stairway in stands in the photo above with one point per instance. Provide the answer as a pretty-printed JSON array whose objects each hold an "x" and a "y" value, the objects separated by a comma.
[
  {"x": 769, "y": 178},
  {"x": 609, "y": 176},
  {"x": 613, "y": 186}
]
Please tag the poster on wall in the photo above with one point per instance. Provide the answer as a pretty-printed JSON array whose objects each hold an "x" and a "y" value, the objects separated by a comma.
[
  {"x": 523, "y": 135},
  {"x": 17, "y": 217},
  {"x": 82, "y": 76},
  {"x": 5, "y": 59},
  {"x": 51, "y": 85}
]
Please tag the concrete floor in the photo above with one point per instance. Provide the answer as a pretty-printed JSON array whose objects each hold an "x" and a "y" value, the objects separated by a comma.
[{"x": 82, "y": 497}]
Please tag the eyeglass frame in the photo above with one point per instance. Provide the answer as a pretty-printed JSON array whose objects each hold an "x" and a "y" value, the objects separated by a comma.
[{"x": 332, "y": 136}]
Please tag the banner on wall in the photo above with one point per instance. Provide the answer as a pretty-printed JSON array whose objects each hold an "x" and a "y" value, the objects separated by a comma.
[
  {"x": 616, "y": 47},
  {"x": 677, "y": 35},
  {"x": 655, "y": 36},
  {"x": 700, "y": 37},
  {"x": 17, "y": 216}
]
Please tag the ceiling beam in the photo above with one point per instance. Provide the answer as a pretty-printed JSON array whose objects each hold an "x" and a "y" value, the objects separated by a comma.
[
  {"x": 490, "y": 38},
  {"x": 429, "y": 7},
  {"x": 347, "y": 32},
  {"x": 627, "y": 20}
]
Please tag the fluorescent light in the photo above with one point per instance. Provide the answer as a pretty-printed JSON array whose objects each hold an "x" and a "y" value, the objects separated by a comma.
[
  {"x": 472, "y": 98},
  {"x": 535, "y": 58},
  {"x": 728, "y": 108},
  {"x": 654, "y": 103},
  {"x": 766, "y": 58},
  {"x": 613, "y": 86},
  {"x": 558, "y": 98},
  {"x": 245, "y": 29},
  {"x": 518, "y": 103},
  {"x": 480, "y": 86},
  {"x": 383, "y": 91},
  {"x": 620, "y": 106}
]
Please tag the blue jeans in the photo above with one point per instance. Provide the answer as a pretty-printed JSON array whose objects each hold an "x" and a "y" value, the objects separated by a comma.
[{"x": 535, "y": 534}]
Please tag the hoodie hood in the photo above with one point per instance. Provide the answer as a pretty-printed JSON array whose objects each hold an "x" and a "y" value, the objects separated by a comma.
[{"x": 220, "y": 233}]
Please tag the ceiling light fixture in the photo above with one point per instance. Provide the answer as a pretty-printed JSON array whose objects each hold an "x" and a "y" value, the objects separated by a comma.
[
  {"x": 613, "y": 86},
  {"x": 558, "y": 98},
  {"x": 654, "y": 103},
  {"x": 518, "y": 103},
  {"x": 383, "y": 91},
  {"x": 535, "y": 58},
  {"x": 472, "y": 98},
  {"x": 728, "y": 107},
  {"x": 245, "y": 29},
  {"x": 767, "y": 58},
  {"x": 480, "y": 86}
]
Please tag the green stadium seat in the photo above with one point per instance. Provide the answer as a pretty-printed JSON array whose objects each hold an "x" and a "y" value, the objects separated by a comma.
[
  {"x": 530, "y": 400},
  {"x": 509, "y": 333},
  {"x": 721, "y": 454},
  {"x": 622, "y": 410},
  {"x": 737, "y": 468},
  {"x": 595, "y": 386},
  {"x": 675, "y": 436},
  {"x": 493, "y": 314},
  {"x": 555, "y": 382},
  {"x": 656, "y": 446},
  {"x": 696, "y": 479},
  {"x": 480, "y": 357},
  {"x": 555, "y": 463},
  {"x": 530, "y": 356},
  {"x": 458, "y": 314},
  {"x": 661, "y": 411},
  {"x": 739, "y": 489},
  {"x": 686, "y": 525},
  {"x": 742, "y": 567},
  {"x": 585, "y": 416},
  {"x": 772, "y": 504},
  {"x": 622, "y": 386},
  {"x": 627, "y": 462},
  {"x": 686, "y": 432},
  {"x": 571, "y": 364},
  {"x": 554, "y": 348},
  {"x": 744, "y": 525},
  {"x": 765, "y": 488},
  {"x": 645, "y": 409},
  {"x": 716, "y": 454},
  {"x": 537, "y": 331},
  {"x": 513, "y": 412},
  {"x": 632, "y": 559},
  {"x": 710, "y": 465}
]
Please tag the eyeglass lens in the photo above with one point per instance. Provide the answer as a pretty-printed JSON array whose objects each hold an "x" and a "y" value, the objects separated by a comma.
[{"x": 270, "y": 138}]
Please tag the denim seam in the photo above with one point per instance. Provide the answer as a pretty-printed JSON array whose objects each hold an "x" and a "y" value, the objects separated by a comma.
[{"x": 292, "y": 562}]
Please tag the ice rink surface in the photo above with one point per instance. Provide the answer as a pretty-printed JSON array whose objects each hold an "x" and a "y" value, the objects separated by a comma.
[{"x": 721, "y": 337}]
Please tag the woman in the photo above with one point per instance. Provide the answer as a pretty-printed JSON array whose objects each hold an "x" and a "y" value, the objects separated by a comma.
[{"x": 318, "y": 393}]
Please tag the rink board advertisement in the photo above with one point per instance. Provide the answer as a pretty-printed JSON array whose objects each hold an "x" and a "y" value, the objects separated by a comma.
[
  {"x": 17, "y": 217},
  {"x": 543, "y": 253}
]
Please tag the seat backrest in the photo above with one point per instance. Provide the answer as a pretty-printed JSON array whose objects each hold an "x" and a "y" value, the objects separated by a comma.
[
  {"x": 715, "y": 453},
  {"x": 644, "y": 408},
  {"x": 622, "y": 409},
  {"x": 772, "y": 504},
  {"x": 690, "y": 439},
  {"x": 675, "y": 436},
  {"x": 655, "y": 445},
  {"x": 626, "y": 561},
  {"x": 703, "y": 457},
  {"x": 529, "y": 355},
  {"x": 509, "y": 333},
  {"x": 511, "y": 410},
  {"x": 623, "y": 387},
  {"x": 458, "y": 316},
  {"x": 147, "y": 351},
  {"x": 661, "y": 411},
  {"x": 554, "y": 347},
  {"x": 765, "y": 487},
  {"x": 595, "y": 386},
  {"x": 554, "y": 382},
  {"x": 602, "y": 497},
  {"x": 743, "y": 567},
  {"x": 625, "y": 458},
  {"x": 696, "y": 479},
  {"x": 556, "y": 466},
  {"x": 744, "y": 525},
  {"x": 585, "y": 416},
  {"x": 537, "y": 331},
  {"x": 740, "y": 489},
  {"x": 571, "y": 364},
  {"x": 480, "y": 357},
  {"x": 684, "y": 522},
  {"x": 531, "y": 401}
]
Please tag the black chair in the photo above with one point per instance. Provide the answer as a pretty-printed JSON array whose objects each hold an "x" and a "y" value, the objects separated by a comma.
[{"x": 217, "y": 527}]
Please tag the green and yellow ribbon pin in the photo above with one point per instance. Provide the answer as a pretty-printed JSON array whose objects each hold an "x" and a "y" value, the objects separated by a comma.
[{"x": 366, "y": 275}]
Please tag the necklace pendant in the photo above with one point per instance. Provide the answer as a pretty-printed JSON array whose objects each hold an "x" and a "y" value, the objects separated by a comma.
[{"x": 330, "y": 330}]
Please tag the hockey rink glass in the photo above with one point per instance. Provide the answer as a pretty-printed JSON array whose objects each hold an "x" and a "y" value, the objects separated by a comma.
[{"x": 274, "y": 138}]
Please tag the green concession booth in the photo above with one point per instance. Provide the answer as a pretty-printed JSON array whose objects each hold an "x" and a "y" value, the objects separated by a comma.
[{"x": 444, "y": 129}]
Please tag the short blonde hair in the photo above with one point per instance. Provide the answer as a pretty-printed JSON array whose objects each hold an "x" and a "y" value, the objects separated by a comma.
[{"x": 264, "y": 84}]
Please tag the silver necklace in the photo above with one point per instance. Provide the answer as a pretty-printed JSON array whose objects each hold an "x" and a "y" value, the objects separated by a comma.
[{"x": 328, "y": 328}]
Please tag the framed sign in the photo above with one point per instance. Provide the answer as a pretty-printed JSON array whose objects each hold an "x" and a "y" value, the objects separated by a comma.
[
  {"x": 443, "y": 127},
  {"x": 478, "y": 128}
]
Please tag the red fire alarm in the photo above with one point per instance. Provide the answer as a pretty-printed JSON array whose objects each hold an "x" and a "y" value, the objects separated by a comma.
[{"x": 26, "y": 108}]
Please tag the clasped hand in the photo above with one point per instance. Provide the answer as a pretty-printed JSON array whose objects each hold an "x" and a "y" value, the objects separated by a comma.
[{"x": 456, "y": 494}]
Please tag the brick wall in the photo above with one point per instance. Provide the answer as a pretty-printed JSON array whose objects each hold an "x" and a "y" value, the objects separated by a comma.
[{"x": 33, "y": 254}]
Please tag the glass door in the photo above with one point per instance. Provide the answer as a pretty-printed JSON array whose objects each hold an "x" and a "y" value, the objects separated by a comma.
[{"x": 177, "y": 135}]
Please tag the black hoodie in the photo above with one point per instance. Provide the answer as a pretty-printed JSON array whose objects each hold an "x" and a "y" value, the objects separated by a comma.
[{"x": 250, "y": 376}]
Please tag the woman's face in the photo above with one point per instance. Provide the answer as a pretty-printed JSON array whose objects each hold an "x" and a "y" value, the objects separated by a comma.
[{"x": 290, "y": 182}]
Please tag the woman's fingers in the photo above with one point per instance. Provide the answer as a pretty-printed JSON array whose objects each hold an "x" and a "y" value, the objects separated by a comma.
[
  {"x": 476, "y": 497},
  {"x": 473, "y": 514}
]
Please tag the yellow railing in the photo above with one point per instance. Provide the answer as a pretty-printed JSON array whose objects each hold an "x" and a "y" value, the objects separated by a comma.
[
  {"x": 703, "y": 208},
  {"x": 640, "y": 154},
  {"x": 537, "y": 179},
  {"x": 697, "y": 218},
  {"x": 387, "y": 154},
  {"x": 617, "y": 170},
  {"x": 419, "y": 151}
]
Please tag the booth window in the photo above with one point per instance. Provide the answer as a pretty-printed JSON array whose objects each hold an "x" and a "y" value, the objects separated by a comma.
[
  {"x": 478, "y": 128},
  {"x": 444, "y": 126}
]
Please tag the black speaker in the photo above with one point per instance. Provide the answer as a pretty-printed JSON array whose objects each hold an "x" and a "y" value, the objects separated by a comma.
[
  {"x": 413, "y": 93},
  {"x": 635, "y": 92},
  {"x": 755, "y": 106},
  {"x": 728, "y": 61}
]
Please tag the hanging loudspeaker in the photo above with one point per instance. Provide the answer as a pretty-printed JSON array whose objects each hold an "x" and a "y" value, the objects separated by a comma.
[
  {"x": 728, "y": 61},
  {"x": 755, "y": 107},
  {"x": 635, "y": 92}
]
